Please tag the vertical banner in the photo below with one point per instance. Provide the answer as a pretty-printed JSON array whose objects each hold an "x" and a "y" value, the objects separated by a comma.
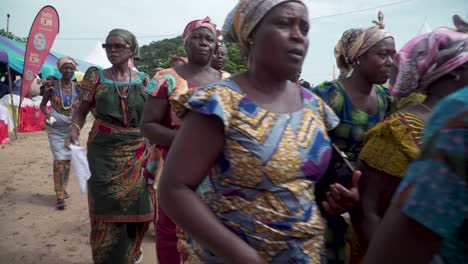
[{"x": 40, "y": 39}]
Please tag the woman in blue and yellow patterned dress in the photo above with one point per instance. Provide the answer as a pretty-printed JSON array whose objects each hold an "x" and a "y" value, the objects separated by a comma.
[
  {"x": 118, "y": 197},
  {"x": 267, "y": 139},
  {"x": 63, "y": 97}
]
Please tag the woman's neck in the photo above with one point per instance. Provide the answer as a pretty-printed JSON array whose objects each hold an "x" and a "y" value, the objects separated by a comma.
[
  {"x": 66, "y": 82},
  {"x": 439, "y": 90},
  {"x": 197, "y": 68},
  {"x": 120, "y": 69},
  {"x": 358, "y": 85},
  {"x": 264, "y": 83}
]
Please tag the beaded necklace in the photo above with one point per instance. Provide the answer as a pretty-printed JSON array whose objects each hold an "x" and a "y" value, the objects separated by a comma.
[{"x": 124, "y": 97}]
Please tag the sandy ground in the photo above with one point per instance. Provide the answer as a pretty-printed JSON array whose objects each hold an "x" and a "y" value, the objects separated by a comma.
[{"x": 31, "y": 229}]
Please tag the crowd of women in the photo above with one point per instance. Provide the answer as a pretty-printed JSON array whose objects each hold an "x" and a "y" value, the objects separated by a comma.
[{"x": 243, "y": 168}]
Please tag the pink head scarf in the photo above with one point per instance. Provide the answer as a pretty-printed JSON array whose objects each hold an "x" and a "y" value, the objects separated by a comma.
[
  {"x": 426, "y": 58},
  {"x": 194, "y": 25}
]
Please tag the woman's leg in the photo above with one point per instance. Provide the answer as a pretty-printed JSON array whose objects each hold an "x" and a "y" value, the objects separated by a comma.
[
  {"x": 61, "y": 175},
  {"x": 110, "y": 243},
  {"x": 66, "y": 177},
  {"x": 166, "y": 239},
  {"x": 136, "y": 232}
]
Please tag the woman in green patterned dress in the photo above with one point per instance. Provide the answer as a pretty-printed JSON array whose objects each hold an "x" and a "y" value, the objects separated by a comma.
[{"x": 119, "y": 202}]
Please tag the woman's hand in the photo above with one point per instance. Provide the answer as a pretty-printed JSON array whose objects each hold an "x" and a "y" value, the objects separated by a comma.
[
  {"x": 73, "y": 137},
  {"x": 339, "y": 199}
]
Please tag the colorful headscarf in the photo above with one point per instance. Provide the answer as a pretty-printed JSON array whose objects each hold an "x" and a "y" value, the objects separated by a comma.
[
  {"x": 243, "y": 19},
  {"x": 355, "y": 42},
  {"x": 130, "y": 38},
  {"x": 426, "y": 58},
  {"x": 195, "y": 24},
  {"x": 176, "y": 58},
  {"x": 64, "y": 60}
]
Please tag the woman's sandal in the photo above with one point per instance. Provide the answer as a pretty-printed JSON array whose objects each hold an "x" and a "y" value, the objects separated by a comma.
[
  {"x": 61, "y": 204},
  {"x": 138, "y": 257}
]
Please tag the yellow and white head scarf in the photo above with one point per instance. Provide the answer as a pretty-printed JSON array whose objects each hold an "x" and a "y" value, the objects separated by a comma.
[
  {"x": 357, "y": 41},
  {"x": 64, "y": 60}
]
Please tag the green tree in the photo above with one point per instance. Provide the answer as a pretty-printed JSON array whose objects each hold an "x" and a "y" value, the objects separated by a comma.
[
  {"x": 235, "y": 61},
  {"x": 158, "y": 54},
  {"x": 12, "y": 36}
]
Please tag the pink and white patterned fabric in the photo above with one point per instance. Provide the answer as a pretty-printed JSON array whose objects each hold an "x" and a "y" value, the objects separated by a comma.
[{"x": 426, "y": 58}]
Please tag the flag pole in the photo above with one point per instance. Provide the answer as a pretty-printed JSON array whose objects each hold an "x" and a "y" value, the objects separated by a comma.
[{"x": 10, "y": 89}]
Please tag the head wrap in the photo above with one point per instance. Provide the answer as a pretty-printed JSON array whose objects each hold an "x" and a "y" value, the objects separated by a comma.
[
  {"x": 130, "y": 38},
  {"x": 243, "y": 19},
  {"x": 176, "y": 58},
  {"x": 196, "y": 24},
  {"x": 426, "y": 58},
  {"x": 460, "y": 24},
  {"x": 64, "y": 60},
  {"x": 355, "y": 42}
]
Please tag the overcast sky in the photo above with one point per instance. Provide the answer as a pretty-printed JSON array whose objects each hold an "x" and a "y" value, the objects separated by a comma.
[{"x": 84, "y": 22}]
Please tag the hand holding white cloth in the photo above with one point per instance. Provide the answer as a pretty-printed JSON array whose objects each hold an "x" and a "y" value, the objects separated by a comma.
[{"x": 80, "y": 165}]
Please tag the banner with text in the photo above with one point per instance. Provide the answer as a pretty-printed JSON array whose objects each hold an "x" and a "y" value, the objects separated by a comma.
[{"x": 41, "y": 37}]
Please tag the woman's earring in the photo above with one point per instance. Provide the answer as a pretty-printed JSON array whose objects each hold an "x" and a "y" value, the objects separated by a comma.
[{"x": 456, "y": 77}]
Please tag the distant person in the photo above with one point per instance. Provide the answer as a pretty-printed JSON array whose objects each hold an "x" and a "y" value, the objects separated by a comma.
[
  {"x": 17, "y": 86},
  {"x": 119, "y": 202},
  {"x": 160, "y": 124},
  {"x": 47, "y": 82},
  {"x": 4, "y": 85},
  {"x": 219, "y": 59},
  {"x": 63, "y": 96}
]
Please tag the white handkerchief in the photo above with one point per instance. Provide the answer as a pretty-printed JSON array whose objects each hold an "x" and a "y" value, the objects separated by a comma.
[{"x": 80, "y": 165}]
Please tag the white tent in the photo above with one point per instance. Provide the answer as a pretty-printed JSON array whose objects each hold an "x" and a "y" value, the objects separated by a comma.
[
  {"x": 425, "y": 28},
  {"x": 98, "y": 56}
]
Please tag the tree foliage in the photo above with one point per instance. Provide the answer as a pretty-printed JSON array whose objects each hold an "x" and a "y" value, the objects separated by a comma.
[
  {"x": 235, "y": 61},
  {"x": 12, "y": 36},
  {"x": 158, "y": 54}
]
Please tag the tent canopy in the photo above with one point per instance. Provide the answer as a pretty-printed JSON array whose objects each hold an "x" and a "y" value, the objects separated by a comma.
[
  {"x": 98, "y": 56},
  {"x": 3, "y": 57},
  {"x": 16, "y": 50}
]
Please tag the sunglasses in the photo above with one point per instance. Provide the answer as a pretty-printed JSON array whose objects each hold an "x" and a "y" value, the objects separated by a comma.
[{"x": 117, "y": 46}]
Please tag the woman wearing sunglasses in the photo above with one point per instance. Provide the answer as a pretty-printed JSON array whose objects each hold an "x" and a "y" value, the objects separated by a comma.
[{"x": 119, "y": 202}]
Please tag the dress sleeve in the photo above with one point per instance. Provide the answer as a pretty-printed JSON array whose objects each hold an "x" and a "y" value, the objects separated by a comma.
[
  {"x": 329, "y": 117},
  {"x": 389, "y": 147},
  {"x": 89, "y": 84},
  {"x": 434, "y": 191},
  {"x": 161, "y": 85},
  {"x": 390, "y": 101},
  {"x": 332, "y": 95},
  {"x": 217, "y": 100}
]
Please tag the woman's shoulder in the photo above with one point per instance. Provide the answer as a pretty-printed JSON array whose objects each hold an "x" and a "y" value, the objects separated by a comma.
[
  {"x": 390, "y": 145},
  {"x": 93, "y": 74},
  {"x": 94, "y": 70},
  {"x": 327, "y": 87},
  {"x": 319, "y": 106},
  {"x": 397, "y": 125},
  {"x": 223, "y": 88}
]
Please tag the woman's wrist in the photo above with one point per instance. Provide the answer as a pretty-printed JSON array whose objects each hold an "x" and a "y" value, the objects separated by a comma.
[{"x": 75, "y": 125}]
